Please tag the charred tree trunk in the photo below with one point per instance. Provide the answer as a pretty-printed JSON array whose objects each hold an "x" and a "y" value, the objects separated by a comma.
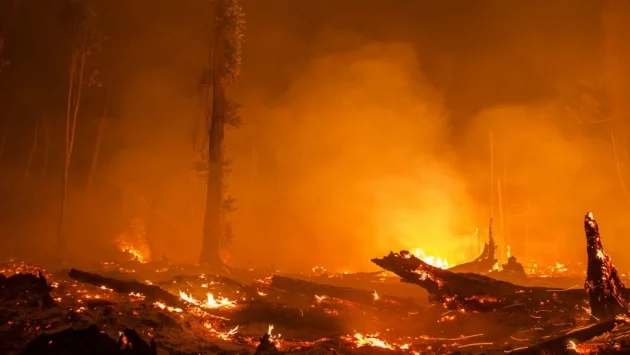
[
  {"x": 97, "y": 144},
  {"x": 214, "y": 188},
  {"x": 225, "y": 65},
  {"x": 605, "y": 289}
]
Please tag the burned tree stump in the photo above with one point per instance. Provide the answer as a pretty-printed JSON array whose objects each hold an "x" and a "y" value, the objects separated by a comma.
[
  {"x": 484, "y": 262},
  {"x": 605, "y": 289}
]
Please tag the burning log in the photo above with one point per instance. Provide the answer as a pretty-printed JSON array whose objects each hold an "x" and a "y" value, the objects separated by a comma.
[
  {"x": 605, "y": 289},
  {"x": 151, "y": 292},
  {"x": 346, "y": 293},
  {"x": 89, "y": 341},
  {"x": 560, "y": 344},
  {"x": 484, "y": 262},
  {"x": 472, "y": 291}
]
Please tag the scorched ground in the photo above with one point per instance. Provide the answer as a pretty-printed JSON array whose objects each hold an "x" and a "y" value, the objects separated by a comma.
[{"x": 158, "y": 307}]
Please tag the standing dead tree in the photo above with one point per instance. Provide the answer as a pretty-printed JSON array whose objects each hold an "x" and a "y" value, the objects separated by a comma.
[
  {"x": 79, "y": 22},
  {"x": 226, "y": 61}
]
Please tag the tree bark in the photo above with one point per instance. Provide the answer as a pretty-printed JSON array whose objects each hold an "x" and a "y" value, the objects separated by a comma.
[{"x": 210, "y": 251}]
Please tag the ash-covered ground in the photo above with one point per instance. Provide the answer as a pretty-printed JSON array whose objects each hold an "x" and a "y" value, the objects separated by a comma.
[{"x": 197, "y": 312}]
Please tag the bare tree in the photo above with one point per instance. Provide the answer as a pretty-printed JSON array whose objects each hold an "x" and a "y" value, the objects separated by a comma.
[
  {"x": 226, "y": 59},
  {"x": 80, "y": 23}
]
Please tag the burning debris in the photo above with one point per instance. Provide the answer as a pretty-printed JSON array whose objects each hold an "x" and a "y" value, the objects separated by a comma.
[{"x": 187, "y": 310}]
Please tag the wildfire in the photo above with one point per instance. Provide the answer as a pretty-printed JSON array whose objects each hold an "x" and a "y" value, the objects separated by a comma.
[
  {"x": 438, "y": 262},
  {"x": 373, "y": 340},
  {"x": 211, "y": 302}
]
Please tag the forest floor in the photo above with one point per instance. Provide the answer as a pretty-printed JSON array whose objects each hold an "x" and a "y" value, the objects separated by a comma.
[{"x": 314, "y": 313}]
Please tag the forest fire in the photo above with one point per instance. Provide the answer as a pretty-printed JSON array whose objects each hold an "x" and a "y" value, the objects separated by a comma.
[{"x": 551, "y": 317}]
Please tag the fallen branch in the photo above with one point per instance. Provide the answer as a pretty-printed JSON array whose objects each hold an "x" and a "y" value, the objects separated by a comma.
[{"x": 151, "y": 292}]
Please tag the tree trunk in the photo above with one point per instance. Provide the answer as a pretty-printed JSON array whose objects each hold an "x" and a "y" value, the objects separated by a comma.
[
  {"x": 75, "y": 86},
  {"x": 31, "y": 155},
  {"x": 97, "y": 143},
  {"x": 210, "y": 251}
]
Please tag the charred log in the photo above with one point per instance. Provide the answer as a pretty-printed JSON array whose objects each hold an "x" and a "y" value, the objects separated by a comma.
[
  {"x": 346, "y": 293},
  {"x": 88, "y": 341},
  {"x": 484, "y": 262},
  {"x": 560, "y": 344},
  {"x": 151, "y": 292},
  {"x": 471, "y": 291},
  {"x": 606, "y": 291}
]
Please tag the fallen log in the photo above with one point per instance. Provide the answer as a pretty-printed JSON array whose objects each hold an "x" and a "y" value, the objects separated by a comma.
[
  {"x": 605, "y": 289},
  {"x": 560, "y": 344},
  {"x": 346, "y": 293},
  {"x": 471, "y": 291},
  {"x": 151, "y": 292}
]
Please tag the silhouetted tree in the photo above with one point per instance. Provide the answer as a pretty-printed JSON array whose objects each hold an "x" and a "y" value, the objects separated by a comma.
[
  {"x": 79, "y": 22},
  {"x": 226, "y": 61}
]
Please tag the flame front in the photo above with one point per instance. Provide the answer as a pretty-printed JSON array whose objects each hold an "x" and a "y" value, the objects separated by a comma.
[{"x": 438, "y": 262}]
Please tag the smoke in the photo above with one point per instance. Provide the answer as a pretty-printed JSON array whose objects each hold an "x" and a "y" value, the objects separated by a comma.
[
  {"x": 552, "y": 168},
  {"x": 357, "y": 170}
]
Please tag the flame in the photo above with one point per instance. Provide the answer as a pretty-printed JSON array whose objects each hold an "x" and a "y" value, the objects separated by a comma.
[
  {"x": 220, "y": 302},
  {"x": 223, "y": 335},
  {"x": 211, "y": 302},
  {"x": 370, "y": 340},
  {"x": 375, "y": 296},
  {"x": 438, "y": 262}
]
